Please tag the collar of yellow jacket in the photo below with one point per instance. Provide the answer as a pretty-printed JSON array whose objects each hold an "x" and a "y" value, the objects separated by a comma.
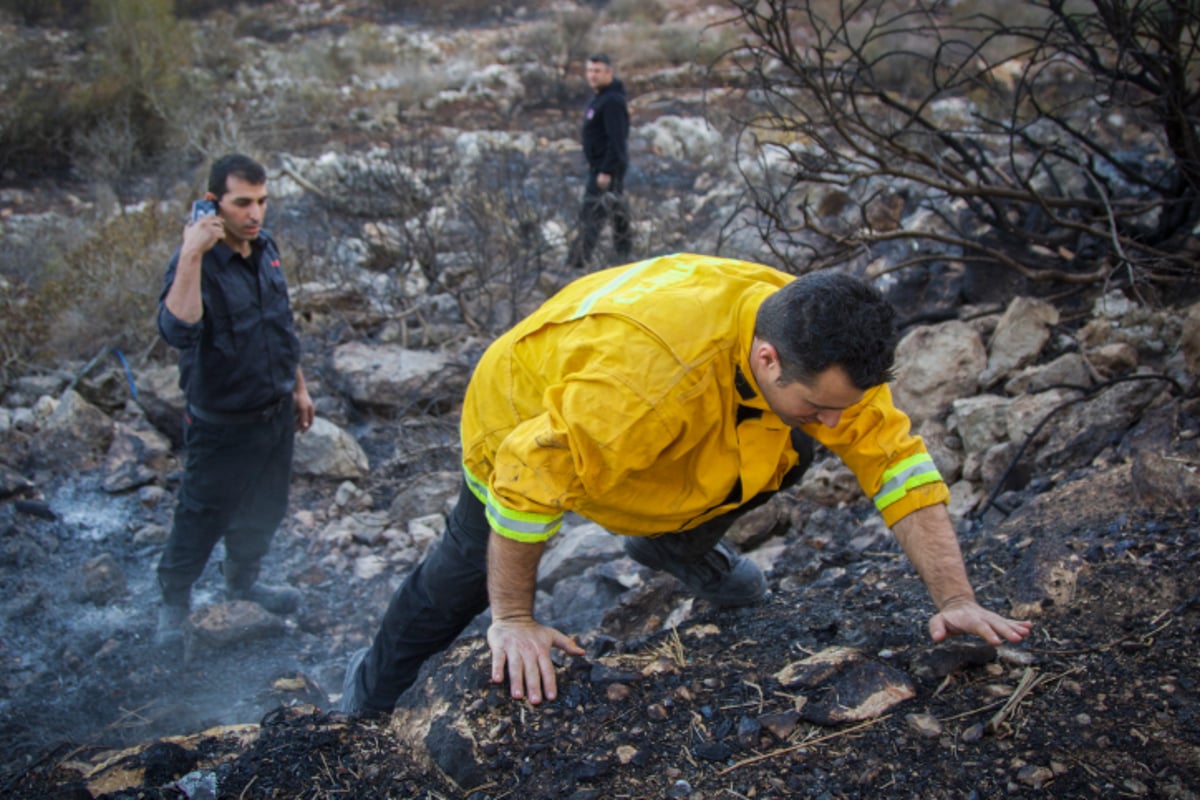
[{"x": 747, "y": 315}]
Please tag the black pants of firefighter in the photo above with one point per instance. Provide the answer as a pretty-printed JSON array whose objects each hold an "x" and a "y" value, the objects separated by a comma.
[
  {"x": 598, "y": 207},
  {"x": 448, "y": 589},
  {"x": 235, "y": 487}
]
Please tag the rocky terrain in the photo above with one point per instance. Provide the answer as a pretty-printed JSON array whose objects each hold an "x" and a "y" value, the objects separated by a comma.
[
  {"x": 419, "y": 225},
  {"x": 830, "y": 687}
]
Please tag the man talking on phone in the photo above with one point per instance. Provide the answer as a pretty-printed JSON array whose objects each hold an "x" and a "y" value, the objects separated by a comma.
[{"x": 224, "y": 307}]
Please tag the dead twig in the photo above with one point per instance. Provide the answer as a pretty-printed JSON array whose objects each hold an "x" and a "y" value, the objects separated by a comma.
[
  {"x": 129, "y": 714},
  {"x": 750, "y": 703},
  {"x": 1029, "y": 681},
  {"x": 1107, "y": 645},
  {"x": 809, "y": 743},
  {"x": 997, "y": 703},
  {"x": 973, "y": 711},
  {"x": 328, "y": 771}
]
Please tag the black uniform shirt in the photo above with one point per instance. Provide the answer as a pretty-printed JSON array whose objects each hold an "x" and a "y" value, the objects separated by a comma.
[
  {"x": 243, "y": 352},
  {"x": 606, "y": 130}
]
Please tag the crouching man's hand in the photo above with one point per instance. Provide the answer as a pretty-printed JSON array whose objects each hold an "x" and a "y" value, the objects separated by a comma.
[
  {"x": 929, "y": 542},
  {"x": 967, "y": 616},
  {"x": 523, "y": 646}
]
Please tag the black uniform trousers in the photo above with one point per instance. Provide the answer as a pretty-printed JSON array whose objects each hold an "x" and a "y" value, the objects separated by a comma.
[
  {"x": 598, "y": 207},
  {"x": 235, "y": 485}
]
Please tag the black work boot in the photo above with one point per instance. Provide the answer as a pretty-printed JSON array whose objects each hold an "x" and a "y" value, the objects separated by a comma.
[
  {"x": 172, "y": 621},
  {"x": 354, "y": 695},
  {"x": 241, "y": 583},
  {"x": 721, "y": 575}
]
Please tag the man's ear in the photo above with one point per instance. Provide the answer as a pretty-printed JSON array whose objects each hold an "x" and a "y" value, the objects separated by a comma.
[
  {"x": 763, "y": 356},
  {"x": 766, "y": 353},
  {"x": 210, "y": 196}
]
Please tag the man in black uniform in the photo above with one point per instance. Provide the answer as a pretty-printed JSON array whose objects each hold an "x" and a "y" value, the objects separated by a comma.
[
  {"x": 605, "y": 136},
  {"x": 224, "y": 306}
]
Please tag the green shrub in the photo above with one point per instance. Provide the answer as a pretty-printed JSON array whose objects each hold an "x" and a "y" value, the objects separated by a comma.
[
  {"x": 22, "y": 325},
  {"x": 647, "y": 12},
  {"x": 113, "y": 107},
  {"x": 459, "y": 12},
  {"x": 105, "y": 290},
  {"x": 558, "y": 42},
  {"x": 142, "y": 54},
  {"x": 701, "y": 46}
]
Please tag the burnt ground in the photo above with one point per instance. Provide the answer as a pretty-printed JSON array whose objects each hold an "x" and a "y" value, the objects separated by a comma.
[{"x": 1102, "y": 700}]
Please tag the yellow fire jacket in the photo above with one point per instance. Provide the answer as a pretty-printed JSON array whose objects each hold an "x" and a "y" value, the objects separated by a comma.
[{"x": 628, "y": 399}]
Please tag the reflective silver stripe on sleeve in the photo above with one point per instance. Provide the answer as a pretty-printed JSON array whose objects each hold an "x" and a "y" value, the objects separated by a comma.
[{"x": 910, "y": 473}]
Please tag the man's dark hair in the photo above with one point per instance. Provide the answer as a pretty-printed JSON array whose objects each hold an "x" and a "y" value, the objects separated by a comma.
[
  {"x": 236, "y": 164},
  {"x": 600, "y": 58},
  {"x": 827, "y": 319}
]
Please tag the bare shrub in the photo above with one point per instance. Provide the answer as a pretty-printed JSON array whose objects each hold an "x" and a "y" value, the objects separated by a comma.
[
  {"x": 503, "y": 247},
  {"x": 30, "y": 244},
  {"x": 1008, "y": 134}
]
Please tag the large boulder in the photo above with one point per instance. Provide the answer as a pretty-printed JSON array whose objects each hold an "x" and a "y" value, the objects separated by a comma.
[
  {"x": 935, "y": 365},
  {"x": 426, "y": 493},
  {"x": 1189, "y": 339},
  {"x": 690, "y": 139},
  {"x": 161, "y": 399},
  {"x": 138, "y": 455},
  {"x": 1019, "y": 337},
  {"x": 325, "y": 450},
  {"x": 574, "y": 550},
  {"x": 391, "y": 376},
  {"x": 1081, "y": 431},
  {"x": 74, "y": 432},
  {"x": 982, "y": 421}
]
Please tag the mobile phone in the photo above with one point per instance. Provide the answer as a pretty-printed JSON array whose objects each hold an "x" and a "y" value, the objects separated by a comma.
[{"x": 203, "y": 208}]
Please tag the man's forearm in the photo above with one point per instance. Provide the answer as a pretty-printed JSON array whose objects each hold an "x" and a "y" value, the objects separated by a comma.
[
  {"x": 512, "y": 576},
  {"x": 928, "y": 539},
  {"x": 184, "y": 299}
]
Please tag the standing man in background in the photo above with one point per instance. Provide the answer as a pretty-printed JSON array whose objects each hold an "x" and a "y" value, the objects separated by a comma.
[
  {"x": 605, "y": 138},
  {"x": 224, "y": 306}
]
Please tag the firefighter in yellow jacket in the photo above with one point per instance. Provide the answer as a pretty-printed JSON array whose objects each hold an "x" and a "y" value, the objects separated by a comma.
[{"x": 662, "y": 400}]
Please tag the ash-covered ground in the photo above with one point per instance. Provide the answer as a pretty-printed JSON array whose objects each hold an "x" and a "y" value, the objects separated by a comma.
[{"x": 1102, "y": 700}]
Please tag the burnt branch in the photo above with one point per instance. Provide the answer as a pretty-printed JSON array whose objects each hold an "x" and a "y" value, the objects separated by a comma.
[{"x": 1057, "y": 140}]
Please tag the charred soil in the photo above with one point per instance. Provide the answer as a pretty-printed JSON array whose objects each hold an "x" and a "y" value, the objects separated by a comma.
[{"x": 1102, "y": 700}]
